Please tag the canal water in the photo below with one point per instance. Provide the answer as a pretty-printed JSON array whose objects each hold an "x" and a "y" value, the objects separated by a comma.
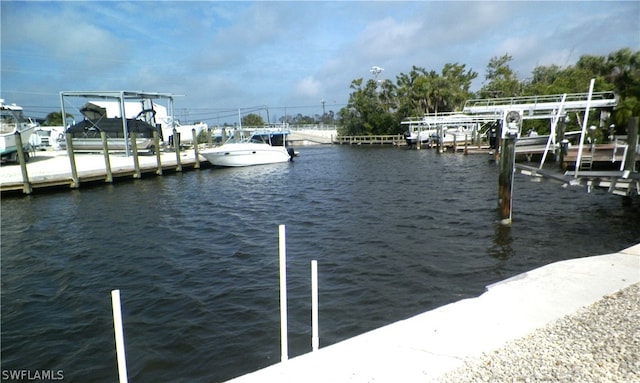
[{"x": 195, "y": 255}]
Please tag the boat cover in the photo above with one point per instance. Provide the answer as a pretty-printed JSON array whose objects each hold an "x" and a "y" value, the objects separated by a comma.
[{"x": 111, "y": 126}]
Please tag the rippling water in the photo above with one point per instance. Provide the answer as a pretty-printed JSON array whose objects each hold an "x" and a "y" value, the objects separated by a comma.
[{"x": 195, "y": 255}]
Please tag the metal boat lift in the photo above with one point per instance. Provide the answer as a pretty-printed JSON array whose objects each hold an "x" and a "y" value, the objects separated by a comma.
[
  {"x": 551, "y": 107},
  {"x": 541, "y": 107},
  {"x": 121, "y": 96}
]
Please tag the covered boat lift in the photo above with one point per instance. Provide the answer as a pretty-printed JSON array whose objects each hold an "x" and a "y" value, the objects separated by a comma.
[{"x": 121, "y": 96}]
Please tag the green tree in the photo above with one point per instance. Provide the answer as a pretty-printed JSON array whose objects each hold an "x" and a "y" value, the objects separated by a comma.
[
  {"x": 458, "y": 84},
  {"x": 368, "y": 112},
  {"x": 252, "y": 119},
  {"x": 55, "y": 119},
  {"x": 501, "y": 79}
]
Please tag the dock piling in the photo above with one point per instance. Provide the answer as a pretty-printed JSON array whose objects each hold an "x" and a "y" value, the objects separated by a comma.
[
  {"x": 107, "y": 161},
  {"x": 176, "y": 146},
  {"x": 26, "y": 188},
  {"x": 136, "y": 162},
  {"x": 632, "y": 143},
  {"x": 511, "y": 126},
  {"x": 195, "y": 148},
  {"x": 75, "y": 180},
  {"x": 156, "y": 146}
]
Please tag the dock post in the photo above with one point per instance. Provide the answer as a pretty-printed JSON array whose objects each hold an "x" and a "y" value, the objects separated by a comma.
[
  {"x": 466, "y": 145},
  {"x": 496, "y": 150},
  {"x": 511, "y": 129},
  {"x": 136, "y": 162},
  {"x": 119, "y": 336},
  {"x": 26, "y": 185},
  {"x": 632, "y": 143},
  {"x": 315, "y": 339},
  {"x": 282, "y": 246},
  {"x": 107, "y": 160},
  {"x": 176, "y": 146},
  {"x": 156, "y": 143},
  {"x": 195, "y": 148},
  {"x": 75, "y": 181}
]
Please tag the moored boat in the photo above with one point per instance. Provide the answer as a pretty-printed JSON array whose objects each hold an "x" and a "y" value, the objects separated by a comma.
[
  {"x": 260, "y": 147},
  {"x": 12, "y": 123},
  {"x": 86, "y": 134}
]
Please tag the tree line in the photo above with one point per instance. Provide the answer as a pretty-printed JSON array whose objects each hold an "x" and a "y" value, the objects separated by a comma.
[{"x": 378, "y": 107}]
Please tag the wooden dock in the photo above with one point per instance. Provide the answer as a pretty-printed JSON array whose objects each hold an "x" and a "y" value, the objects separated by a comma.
[{"x": 53, "y": 169}]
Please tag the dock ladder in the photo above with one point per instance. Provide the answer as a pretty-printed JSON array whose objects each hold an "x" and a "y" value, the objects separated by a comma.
[{"x": 586, "y": 162}]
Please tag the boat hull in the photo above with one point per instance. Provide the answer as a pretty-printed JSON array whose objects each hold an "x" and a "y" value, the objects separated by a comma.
[
  {"x": 246, "y": 154},
  {"x": 8, "y": 140}
]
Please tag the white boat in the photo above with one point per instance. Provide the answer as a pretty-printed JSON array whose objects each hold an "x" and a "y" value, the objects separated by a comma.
[
  {"x": 260, "y": 147},
  {"x": 13, "y": 122},
  {"x": 433, "y": 135},
  {"x": 447, "y": 128},
  {"x": 533, "y": 138}
]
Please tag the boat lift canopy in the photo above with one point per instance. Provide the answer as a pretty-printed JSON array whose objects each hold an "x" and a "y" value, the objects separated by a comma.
[
  {"x": 121, "y": 96},
  {"x": 451, "y": 118},
  {"x": 541, "y": 107}
]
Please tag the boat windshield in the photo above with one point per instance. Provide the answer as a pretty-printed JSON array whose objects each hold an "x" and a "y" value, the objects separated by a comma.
[{"x": 268, "y": 138}]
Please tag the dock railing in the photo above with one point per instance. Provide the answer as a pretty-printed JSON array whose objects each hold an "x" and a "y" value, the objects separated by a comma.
[{"x": 389, "y": 139}]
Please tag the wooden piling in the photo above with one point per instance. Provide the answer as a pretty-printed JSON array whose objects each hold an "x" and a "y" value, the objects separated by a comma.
[
  {"x": 496, "y": 150},
  {"x": 505, "y": 178},
  {"x": 107, "y": 160},
  {"x": 560, "y": 129},
  {"x": 176, "y": 146},
  {"x": 195, "y": 148},
  {"x": 156, "y": 146},
  {"x": 632, "y": 142},
  {"x": 136, "y": 162},
  {"x": 26, "y": 185},
  {"x": 75, "y": 181}
]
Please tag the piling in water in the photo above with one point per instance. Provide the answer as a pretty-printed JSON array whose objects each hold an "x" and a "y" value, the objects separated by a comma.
[
  {"x": 107, "y": 161},
  {"x": 23, "y": 164}
]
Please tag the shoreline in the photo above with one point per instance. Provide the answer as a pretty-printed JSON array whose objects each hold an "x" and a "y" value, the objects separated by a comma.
[{"x": 448, "y": 339}]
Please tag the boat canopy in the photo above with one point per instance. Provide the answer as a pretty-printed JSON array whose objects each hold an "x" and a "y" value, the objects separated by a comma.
[
  {"x": 112, "y": 127},
  {"x": 94, "y": 112}
]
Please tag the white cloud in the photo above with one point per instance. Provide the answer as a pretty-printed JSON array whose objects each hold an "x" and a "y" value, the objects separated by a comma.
[
  {"x": 287, "y": 53},
  {"x": 308, "y": 86}
]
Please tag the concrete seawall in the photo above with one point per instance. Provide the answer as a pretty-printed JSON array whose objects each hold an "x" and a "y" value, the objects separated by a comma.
[{"x": 427, "y": 346}]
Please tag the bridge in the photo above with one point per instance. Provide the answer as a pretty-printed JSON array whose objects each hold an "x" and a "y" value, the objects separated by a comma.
[{"x": 312, "y": 134}]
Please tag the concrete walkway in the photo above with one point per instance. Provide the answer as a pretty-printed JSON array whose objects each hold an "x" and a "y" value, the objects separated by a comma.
[{"x": 425, "y": 347}]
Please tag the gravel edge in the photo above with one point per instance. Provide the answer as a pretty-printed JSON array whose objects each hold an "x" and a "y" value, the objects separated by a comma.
[{"x": 599, "y": 343}]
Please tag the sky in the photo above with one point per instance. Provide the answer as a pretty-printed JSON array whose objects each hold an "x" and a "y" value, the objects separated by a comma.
[{"x": 285, "y": 57}]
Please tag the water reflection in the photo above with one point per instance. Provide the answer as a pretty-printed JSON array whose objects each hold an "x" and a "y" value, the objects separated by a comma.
[{"x": 502, "y": 240}]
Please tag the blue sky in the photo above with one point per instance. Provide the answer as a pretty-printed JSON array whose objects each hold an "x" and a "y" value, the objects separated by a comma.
[{"x": 286, "y": 55}]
